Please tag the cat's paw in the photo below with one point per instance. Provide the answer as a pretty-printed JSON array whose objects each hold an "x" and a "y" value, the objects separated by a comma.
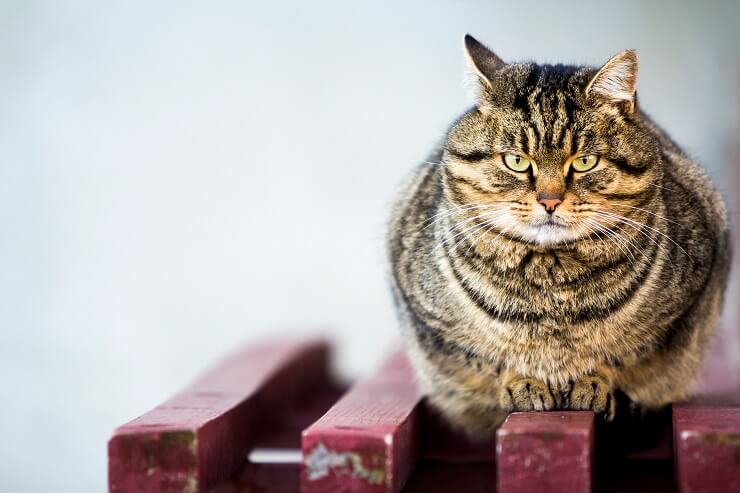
[
  {"x": 526, "y": 394},
  {"x": 593, "y": 393}
]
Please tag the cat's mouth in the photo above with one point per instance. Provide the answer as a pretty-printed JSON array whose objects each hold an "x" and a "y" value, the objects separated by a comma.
[
  {"x": 551, "y": 221},
  {"x": 549, "y": 231}
]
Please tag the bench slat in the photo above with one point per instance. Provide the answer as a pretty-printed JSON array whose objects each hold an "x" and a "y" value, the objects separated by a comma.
[
  {"x": 546, "y": 451},
  {"x": 201, "y": 435},
  {"x": 368, "y": 441},
  {"x": 707, "y": 447}
]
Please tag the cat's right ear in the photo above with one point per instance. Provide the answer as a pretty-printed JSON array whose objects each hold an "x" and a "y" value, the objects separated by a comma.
[{"x": 482, "y": 61}]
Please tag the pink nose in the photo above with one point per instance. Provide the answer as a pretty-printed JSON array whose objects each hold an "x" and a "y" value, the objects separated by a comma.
[{"x": 550, "y": 204}]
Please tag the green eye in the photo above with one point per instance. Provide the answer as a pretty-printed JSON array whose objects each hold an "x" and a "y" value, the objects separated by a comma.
[
  {"x": 517, "y": 163},
  {"x": 585, "y": 163}
]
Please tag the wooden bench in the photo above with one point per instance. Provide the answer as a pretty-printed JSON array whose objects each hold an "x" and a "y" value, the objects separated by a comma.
[{"x": 270, "y": 418}]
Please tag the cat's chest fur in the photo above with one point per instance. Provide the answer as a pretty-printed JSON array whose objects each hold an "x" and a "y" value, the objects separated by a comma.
[{"x": 546, "y": 311}]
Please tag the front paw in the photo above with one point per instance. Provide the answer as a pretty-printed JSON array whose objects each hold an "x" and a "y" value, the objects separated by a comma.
[
  {"x": 593, "y": 393},
  {"x": 526, "y": 394}
]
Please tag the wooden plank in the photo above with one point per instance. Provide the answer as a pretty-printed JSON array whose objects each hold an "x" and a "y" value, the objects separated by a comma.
[
  {"x": 707, "y": 447},
  {"x": 274, "y": 463},
  {"x": 546, "y": 452},
  {"x": 201, "y": 435},
  {"x": 368, "y": 441}
]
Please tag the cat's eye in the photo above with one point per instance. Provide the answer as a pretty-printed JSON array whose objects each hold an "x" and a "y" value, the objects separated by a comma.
[
  {"x": 585, "y": 163},
  {"x": 517, "y": 163}
]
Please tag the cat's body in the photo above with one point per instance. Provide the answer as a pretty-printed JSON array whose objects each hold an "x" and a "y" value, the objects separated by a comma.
[{"x": 551, "y": 288}]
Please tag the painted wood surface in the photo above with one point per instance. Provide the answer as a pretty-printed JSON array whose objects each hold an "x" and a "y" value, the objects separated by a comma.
[
  {"x": 201, "y": 436},
  {"x": 367, "y": 441},
  {"x": 707, "y": 447},
  {"x": 546, "y": 452}
]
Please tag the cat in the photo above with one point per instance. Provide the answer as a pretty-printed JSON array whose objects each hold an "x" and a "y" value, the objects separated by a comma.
[{"x": 556, "y": 250}]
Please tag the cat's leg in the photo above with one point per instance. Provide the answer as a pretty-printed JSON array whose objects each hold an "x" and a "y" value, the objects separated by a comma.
[
  {"x": 520, "y": 393},
  {"x": 465, "y": 392},
  {"x": 474, "y": 414}
]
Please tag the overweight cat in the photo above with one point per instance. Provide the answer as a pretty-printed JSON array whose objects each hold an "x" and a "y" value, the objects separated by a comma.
[{"x": 557, "y": 248}]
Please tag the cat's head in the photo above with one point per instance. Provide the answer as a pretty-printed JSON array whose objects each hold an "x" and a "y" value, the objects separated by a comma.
[{"x": 551, "y": 153}]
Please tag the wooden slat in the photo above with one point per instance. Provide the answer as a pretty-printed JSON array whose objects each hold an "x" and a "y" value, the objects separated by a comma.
[
  {"x": 274, "y": 463},
  {"x": 546, "y": 452},
  {"x": 368, "y": 441},
  {"x": 707, "y": 447},
  {"x": 200, "y": 436}
]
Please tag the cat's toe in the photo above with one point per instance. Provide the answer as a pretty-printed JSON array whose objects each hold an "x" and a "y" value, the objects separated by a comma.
[
  {"x": 526, "y": 394},
  {"x": 593, "y": 393}
]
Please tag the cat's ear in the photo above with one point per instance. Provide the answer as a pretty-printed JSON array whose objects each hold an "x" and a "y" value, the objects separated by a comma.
[
  {"x": 483, "y": 61},
  {"x": 616, "y": 81}
]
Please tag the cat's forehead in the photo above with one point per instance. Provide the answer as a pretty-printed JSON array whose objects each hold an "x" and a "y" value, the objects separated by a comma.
[{"x": 528, "y": 78}]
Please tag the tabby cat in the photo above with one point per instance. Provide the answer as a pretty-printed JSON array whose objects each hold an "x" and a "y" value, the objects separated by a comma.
[{"x": 558, "y": 247}]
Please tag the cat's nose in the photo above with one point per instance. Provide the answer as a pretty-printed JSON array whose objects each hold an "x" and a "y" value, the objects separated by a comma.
[{"x": 550, "y": 202}]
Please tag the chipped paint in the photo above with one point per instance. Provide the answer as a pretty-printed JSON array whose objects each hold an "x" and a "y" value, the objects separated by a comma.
[
  {"x": 321, "y": 461},
  {"x": 725, "y": 439}
]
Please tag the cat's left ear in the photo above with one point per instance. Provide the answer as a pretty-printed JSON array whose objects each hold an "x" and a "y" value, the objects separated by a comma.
[
  {"x": 482, "y": 60},
  {"x": 616, "y": 81}
]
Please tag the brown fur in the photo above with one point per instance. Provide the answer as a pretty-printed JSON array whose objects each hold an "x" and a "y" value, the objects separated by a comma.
[{"x": 504, "y": 311}]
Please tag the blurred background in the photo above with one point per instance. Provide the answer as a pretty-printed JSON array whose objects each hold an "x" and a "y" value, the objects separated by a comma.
[{"x": 179, "y": 177}]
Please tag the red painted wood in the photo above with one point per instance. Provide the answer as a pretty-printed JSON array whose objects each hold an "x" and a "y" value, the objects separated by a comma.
[
  {"x": 201, "y": 435},
  {"x": 274, "y": 463},
  {"x": 707, "y": 447},
  {"x": 546, "y": 452},
  {"x": 368, "y": 441}
]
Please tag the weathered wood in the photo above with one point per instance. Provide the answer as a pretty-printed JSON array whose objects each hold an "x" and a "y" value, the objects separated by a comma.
[
  {"x": 707, "y": 447},
  {"x": 546, "y": 452},
  {"x": 201, "y": 435},
  {"x": 274, "y": 463},
  {"x": 368, "y": 441}
]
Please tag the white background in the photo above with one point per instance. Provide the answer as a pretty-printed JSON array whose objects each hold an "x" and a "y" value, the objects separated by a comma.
[{"x": 178, "y": 177}]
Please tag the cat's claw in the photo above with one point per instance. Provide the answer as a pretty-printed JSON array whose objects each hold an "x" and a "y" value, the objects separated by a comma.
[{"x": 526, "y": 394}]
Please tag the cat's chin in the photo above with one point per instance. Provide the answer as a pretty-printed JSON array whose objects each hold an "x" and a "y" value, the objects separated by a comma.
[{"x": 548, "y": 234}]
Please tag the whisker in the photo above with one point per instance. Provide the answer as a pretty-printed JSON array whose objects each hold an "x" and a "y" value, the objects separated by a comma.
[
  {"x": 643, "y": 225},
  {"x": 641, "y": 231},
  {"x": 463, "y": 207},
  {"x": 476, "y": 240},
  {"x": 470, "y": 235},
  {"x": 452, "y": 210},
  {"x": 491, "y": 214},
  {"x": 643, "y": 210},
  {"x": 634, "y": 247},
  {"x": 615, "y": 237},
  {"x": 459, "y": 224}
]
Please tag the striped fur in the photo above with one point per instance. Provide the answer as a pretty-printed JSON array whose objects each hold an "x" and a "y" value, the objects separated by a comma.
[{"x": 503, "y": 312}]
